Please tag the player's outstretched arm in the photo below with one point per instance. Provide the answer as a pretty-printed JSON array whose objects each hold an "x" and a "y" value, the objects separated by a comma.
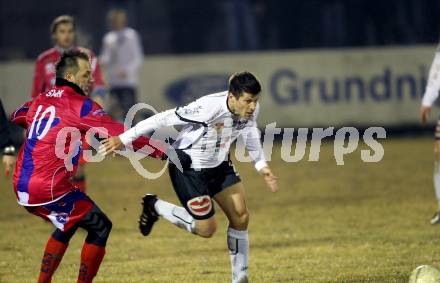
[
  {"x": 270, "y": 179},
  {"x": 195, "y": 112},
  {"x": 126, "y": 138},
  {"x": 93, "y": 116}
]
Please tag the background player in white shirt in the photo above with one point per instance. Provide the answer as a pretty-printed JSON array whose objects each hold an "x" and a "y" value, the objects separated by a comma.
[
  {"x": 211, "y": 124},
  {"x": 431, "y": 94},
  {"x": 122, "y": 56}
]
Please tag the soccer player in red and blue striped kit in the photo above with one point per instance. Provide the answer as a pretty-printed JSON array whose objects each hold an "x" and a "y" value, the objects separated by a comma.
[
  {"x": 56, "y": 122},
  {"x": 63, "y": 32}
]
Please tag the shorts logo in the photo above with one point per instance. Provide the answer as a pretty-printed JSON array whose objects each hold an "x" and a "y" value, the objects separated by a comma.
[
  {"x": 200, "y": 206},
  {"x": 61, "y": 218}
]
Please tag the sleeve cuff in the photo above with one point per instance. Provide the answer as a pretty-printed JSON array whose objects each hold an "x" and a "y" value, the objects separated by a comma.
[
  {"x": 126, "y": 137},
  {"x": 426, "y": 104},
  {"x": 260, "y": 165},
  {"x": 427, "y": 100}
]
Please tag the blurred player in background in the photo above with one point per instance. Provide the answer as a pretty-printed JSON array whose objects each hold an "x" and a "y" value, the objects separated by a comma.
[
  {"x": 63, "y": 34},
  {"x": 6, "y": 144},
  {"x": 211, "y": 125},
  {"x": 42, "y": 180},
  {"x": 122, "y": 56},
  {"x": 429, "y": 97}
]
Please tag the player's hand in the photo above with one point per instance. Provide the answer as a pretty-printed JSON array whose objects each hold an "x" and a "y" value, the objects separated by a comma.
[
  {"x": 110, "y": 145},
  {"x": 424, "y": 113},
  {"x": 270, "y": 179},
  {"x": 8, "y": 162}
]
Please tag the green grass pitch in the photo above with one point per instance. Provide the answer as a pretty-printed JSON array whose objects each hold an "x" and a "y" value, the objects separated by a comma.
[{"x": 361, "y": 222}]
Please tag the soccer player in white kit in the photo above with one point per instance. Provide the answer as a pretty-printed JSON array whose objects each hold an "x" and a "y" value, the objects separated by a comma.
[
  {"x": 210, "y": 125},
  {"x": 431, "y": 94}
]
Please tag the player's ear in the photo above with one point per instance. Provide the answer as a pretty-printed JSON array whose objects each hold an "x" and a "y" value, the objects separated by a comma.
[{"x": 69, "y": 76}]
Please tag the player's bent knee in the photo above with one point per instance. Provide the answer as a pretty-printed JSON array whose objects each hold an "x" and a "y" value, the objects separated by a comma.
[
  {"x": 206, "y": 229},
  {"x": 240, "y": 221},
  {"x": 100, "y": 234},
  {"x": 98, "y": 226},
  {"x": 206, "y": 232}
]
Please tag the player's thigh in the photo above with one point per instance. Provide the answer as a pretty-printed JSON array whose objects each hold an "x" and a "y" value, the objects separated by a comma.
[
  {"x": 192, "y": 191},
  {"x": 233, "y": 203}
]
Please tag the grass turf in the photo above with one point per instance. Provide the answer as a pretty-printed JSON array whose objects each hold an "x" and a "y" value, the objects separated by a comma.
[{"x": 361, "y": 222}]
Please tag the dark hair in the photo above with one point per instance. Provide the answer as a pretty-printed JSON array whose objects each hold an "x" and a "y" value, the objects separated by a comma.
[
  {"x": 244, "y": 82},
  {"x": 64, "y": 19},
  {"x": 69, "y": 61}
]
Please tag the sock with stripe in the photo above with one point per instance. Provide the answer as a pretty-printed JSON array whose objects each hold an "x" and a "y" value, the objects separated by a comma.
[
  {"x": 91, "y": 258},
  {"x": 53, "y": 253},
  {"x": 175, "y": 214},
  {"x": 238, "y": 245}
]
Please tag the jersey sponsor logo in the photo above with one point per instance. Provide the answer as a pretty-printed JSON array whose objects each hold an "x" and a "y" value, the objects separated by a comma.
[
  {"x": 192, "y": 111},
  {"x": 55, "y": 93},
  {"x": 200, "y": 206}
]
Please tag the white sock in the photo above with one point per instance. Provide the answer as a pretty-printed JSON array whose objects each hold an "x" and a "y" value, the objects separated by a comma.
[
  {"x": 175, "y": 214},
  {"x": 238, "y": 244},
  {"x": 437, "y": 182}
]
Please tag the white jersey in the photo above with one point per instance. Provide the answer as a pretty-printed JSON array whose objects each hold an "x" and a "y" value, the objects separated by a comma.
[
  {"x": 209, "y": 130},
  {"x": 433, "y": 85},
  {"x": 122, "y": 51}
]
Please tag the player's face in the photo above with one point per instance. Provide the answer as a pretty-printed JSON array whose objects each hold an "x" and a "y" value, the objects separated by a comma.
[
  {"x": 64, "y": 35},
  {"x": 83, "y": 78},
  {"x": 118, "y": 21},
  {"x": 245, "y": 105}
]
